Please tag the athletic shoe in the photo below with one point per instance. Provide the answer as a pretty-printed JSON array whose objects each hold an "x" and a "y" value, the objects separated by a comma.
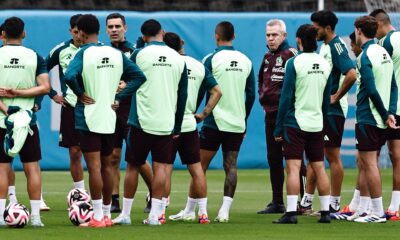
[
  {"x": 287, "y": 218},
  {"x": 151, "y": 222},
  {"x": 332, "y": 210},
  {"x": 181, "y": 216},
  {"x": 356, "y": 215},
  {"x": 115, "y": 206},
  {"x": 340, "y": 216},
  {"x": 221, "y": 219},
  {"x": 148, "y": 204},
  {"x": 203, "y": 219},
  {"x": 122, "y": 220},
  {"x": 315, "y": 214},
  {"x": 371, "y": 219},
  {"x": 108, "y": 221},
  {"x": 94, "y": 223},
  {"x": 325, "y": 217},
  {"x": 43, "y": 206},
  {"x": 301, "y": 210},
  {"x": 35, "y": 221},
  {"x": 273, "y": 207},
  {"x": 392, "y": 216}
]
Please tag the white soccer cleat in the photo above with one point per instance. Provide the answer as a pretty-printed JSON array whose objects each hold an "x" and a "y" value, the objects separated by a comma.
[
  {"x": 122, "y": 220},
  {"x": 371, "y": 219},
  {"x": 35, "y": 221},
  {"x": 222, "y": 219},
  {"x": 181, "y": 216},
  {"x": 43, "y": 206},
  {"x": 151, "y": 222},
  {"x": 355, "y": 216}
]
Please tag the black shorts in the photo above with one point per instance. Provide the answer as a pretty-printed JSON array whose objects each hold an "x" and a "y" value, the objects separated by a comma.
[
  {"x": 211, "y": 139},
  {"x": 121, "y": 125},
  {"x": 68, "y": 134},
  {"x": 30, "y": 152},
  {"x": 297, "y": 141},
  {"x": 140, "y": 144},
  {"x": 96, "y": 142},
  {"x": 370, "y": 138},
  {"x": 333, "y": 130},
  {"x": 188, "y": 146},
  {"x": 394, "y": 134}
]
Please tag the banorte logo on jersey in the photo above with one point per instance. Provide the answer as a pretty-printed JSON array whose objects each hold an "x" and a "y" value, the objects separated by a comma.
[
  {"x": 14, "y": 63},
  {"x": 105, "y": 63},
  {"x": 162, "y": 62},
  {"x": 233, "y": 67}
]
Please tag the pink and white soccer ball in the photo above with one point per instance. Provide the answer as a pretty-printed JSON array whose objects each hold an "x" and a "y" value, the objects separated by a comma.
[
  {"x": 80, "y": 212},
  {"x": 77, "y": 195},
  {"x": 16, "y": 215}
]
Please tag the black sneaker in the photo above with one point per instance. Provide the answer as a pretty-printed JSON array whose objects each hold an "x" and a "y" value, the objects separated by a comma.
[
  {"x": 287, "y": 218},
  {"x": 273, "y": 208},
  {"x": 325, "y": 217},
  {"x": 148, "y": 204}
]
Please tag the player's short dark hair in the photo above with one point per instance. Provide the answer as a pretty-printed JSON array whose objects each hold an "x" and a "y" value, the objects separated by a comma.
[
  {"x": 89, "y": 24},
  {"x": 13, "y": 27},
  {"x": 225, "y": 30},
  {"x": 74, "y": 20},
  {"x": 368, "y": 25},
  {"x": 380, "y": 15},
  {"x": 308, "y": 36},
  {"x": 325, "y": 18},
  {"x": 150, "y": 28},
  {"x": 173, "y": 41},
  {"x": 352, "y": 37},
  {"x": 114, "y": 16}
]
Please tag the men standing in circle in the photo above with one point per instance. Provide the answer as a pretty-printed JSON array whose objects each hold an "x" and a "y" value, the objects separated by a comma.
[
  {"x": 155, "y": 118},
  {"x": 303, "y": 104},
  {"x": 270, "y": 80},
  {"x": 116, "y": 30},
  {"x": 200, "y": 81},
  {"x": 343, "y": 76},
  {"x": 389, "y": 38},
  {"x": 61, "y": 56},
  {"x": 23, "y": 77},
  {"x": 94, "y": 75},
  {"x": 226, "y": 125}
]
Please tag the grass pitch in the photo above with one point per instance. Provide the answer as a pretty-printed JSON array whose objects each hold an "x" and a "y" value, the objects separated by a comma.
[{"x": 252, "y": 193}]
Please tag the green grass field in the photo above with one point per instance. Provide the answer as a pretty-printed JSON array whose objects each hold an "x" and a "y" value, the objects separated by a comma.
[{"x": 252, "y": 193}]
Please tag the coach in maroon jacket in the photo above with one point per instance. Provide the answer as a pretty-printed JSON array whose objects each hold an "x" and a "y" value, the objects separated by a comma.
[{"x": 270, "y": 81}]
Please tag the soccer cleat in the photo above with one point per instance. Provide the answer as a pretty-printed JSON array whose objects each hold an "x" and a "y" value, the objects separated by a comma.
[
  {"x": 273, "y": 207},
  {"x": 43, "y": 206},
  {"x": 371, "y": 219},
  {"x": 122, "y": 220},
  {"x": 325, "y": 217},
  {"x": 35, "y": 221},
  {"x": 343, "y": 214},
  {"x": 287, "y": 218},
  {"x": 332, "y": 210},
  {"x": 203, "y": 219},
  {"x": 181, "y": 216},
  {"x": 221, "y": 219},
  {"x": 392, "y": 216},
  {"x": 108, "y": 221},
  {"x": 148, "y": 204},
  {"x": 93, "y": 223},
  {"x": 302, "y": 210},
  {"x": 356, "y": 215},
  {"x": 151, "y": 222}
]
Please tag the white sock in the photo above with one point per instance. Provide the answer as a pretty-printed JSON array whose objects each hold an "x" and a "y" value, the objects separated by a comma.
[
  {"x": 127, "y": 206},
  {"x": 156, "y": 208},
  {"x": 226, "y": 205},
  {"x": 35, "y": 207},
  {"x": 164, "y": 205},
  {"x": 307, "y": 200},
  {"x": 98, "y": 209},
  {"x": 12, "y": 195},
  {"x": 355, "y": 201},
  {"x": 325, "y": 202},
  {"x": 107, "y": 210},
  {"x": 80, "y": 184},
  {"x": 291, "y": 203},
  {"x": 363, "y": 206},
  {"x": 335, "y": 202},
  {"x": 395, "y": 202},
  {"x": 190, "y": 205},
  {"x": 377, "y": 206},
  {"x": 2, "y": 208},
  {"x": 202, "y": 206}
]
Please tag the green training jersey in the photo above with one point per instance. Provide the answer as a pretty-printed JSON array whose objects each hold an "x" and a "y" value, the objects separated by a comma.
[
  {"x": 96, "y": 70},
  {"x": 19, "y": 67},
  {"x": 305, "y": 94},
  {"x": 234, "y": 73}
]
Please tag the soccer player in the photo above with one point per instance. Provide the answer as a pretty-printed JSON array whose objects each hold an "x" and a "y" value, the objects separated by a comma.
[
  {"x": 23, "y": 77},
  {"x": 155, "y": 118},
  {"x": 93, "y": 75},
  {"x": 270, "y": 80},
  {"x": 389, "y": 38},
  {"x": 303, "y": 104},
  {"x": 61, "y": 56},
  {"x": 376, "y": 106},
  {"x": 226, "y": 125},
  {"x": 343, "y": 76},
  {"x": 116, "y": 30},
  {"x": 200, "y": 80}
]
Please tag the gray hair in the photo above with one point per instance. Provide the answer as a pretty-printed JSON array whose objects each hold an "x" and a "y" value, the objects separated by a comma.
[{"x": 279, "y": 22}]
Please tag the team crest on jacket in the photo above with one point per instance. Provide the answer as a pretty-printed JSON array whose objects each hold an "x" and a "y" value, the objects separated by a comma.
[
  {"x": 266, "y": 62},
  {"x": 279, "y": 62}
]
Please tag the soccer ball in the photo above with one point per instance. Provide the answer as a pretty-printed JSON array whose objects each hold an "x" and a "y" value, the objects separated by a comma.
[
  {"x": 80, "y": 212},
  {"x": 77, "y": 195},
  {"x": 16, "y": 215}
]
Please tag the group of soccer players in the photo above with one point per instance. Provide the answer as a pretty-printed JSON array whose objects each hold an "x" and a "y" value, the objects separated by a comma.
[{"x": 148, "y": 95}]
